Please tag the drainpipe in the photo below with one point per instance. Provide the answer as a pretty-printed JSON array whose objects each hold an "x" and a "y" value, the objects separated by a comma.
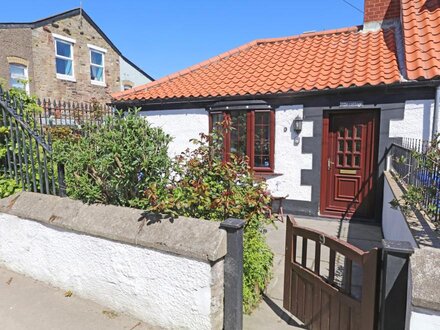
[{"x": 436, "y": 112}]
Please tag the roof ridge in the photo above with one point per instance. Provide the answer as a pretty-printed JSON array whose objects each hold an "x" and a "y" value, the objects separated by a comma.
[{"x": 230, "y": 53}]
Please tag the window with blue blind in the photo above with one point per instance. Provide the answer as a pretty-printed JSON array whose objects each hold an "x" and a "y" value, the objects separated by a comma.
[
  {"x": 64, "y": 59},
  {"x": 97, "y": 66}
]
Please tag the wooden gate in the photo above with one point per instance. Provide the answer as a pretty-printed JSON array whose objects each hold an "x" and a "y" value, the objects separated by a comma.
[{"x": 328, "y": 283}]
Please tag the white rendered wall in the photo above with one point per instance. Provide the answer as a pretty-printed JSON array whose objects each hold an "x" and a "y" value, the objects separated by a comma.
[
  {"x": 423, "y": 319},
  {"x": 417, "y": 121},
  {"x": 182, "y": 125},
  {"x": 128, "y": 72},
  {"x": 186, "y": 124},
  {"x": 289, "y": 160},
  {"x": 394, "y": 225},
  {"x": 162, "y": 289}
]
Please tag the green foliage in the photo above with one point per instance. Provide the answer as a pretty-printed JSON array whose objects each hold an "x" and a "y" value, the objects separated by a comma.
[
  {"x": 204, "y": 186},
  {"x": 29, "y": 102},
  {"x": 425, "y": 165},
  {"x": 8, "y": 187},
  {"x": 115, "y": 162}
]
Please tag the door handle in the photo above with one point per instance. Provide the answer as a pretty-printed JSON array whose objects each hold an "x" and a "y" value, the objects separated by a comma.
[{"x": 329, "y": 164}]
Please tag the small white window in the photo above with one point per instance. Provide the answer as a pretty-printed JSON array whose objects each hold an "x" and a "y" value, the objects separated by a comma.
[
  {"x": 19, "y": 77},
  {"x": 97, "y": 75},
  {"x": 127, "y": 87},
  {"x": 64, "y": 59}
]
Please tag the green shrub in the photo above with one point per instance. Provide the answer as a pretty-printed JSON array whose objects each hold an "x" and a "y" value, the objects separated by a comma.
[
  {"x": 8, "y": 187},
  {"x": 203, "y": 186},
  {"x": 116, "y": 161}
]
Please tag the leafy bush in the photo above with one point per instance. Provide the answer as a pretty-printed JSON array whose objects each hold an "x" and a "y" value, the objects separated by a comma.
[
  {"x": 204, "y": 186},
  {"x": 115, "y": 162}
]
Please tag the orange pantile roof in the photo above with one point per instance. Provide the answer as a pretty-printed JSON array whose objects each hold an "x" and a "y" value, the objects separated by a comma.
[
  {"x": 313, "y": 61},
  {"x": 421, "y": 28}
]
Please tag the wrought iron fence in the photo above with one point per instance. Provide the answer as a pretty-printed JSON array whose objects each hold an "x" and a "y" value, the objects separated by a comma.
[
  {"x": 59, "y": 113},
  {"x": 415, "y": 168},
  {"x": 27, "y": 152}
]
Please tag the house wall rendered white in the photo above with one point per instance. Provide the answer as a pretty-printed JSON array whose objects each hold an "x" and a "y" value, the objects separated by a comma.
[
  {"x": 184, "y": 125},
  {"x": 416, "y": 122},
  {"x": 130, "y": 73},
  {"x": 289, "y": 159}
]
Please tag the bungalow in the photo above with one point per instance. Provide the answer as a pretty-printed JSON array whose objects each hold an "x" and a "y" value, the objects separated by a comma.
[{"x": 316, "y": 112}]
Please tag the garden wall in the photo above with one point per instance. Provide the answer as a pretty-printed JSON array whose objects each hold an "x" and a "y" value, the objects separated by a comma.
[
  {"x": 425, "y": 262},
  {"x": 166, "y": 272}
]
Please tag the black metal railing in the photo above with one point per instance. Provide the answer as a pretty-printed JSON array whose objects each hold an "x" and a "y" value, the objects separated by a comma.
[
  {"x": 74, "y": 114},
  {"x": 414, "y": 167},
  {"x": 27, "y": 146}
]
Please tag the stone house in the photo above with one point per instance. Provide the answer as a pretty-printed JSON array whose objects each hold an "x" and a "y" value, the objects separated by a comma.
[
  {"x": 65, "y": 57},
  {"x": 315, "y": 113}
]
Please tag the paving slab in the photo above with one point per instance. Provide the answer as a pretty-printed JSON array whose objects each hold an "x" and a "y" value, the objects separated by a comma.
[
  {"x": 26, "y": 304},
  {"x": 270, "y": 315}
]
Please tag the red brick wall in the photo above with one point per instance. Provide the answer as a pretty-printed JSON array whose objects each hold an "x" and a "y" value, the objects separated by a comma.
[{"x": 379, "y": 10}]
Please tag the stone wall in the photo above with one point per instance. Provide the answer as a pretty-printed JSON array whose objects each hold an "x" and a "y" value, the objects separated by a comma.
[
  {"x": 166, "y": 272},
  {"x": 82, "y": 90},
  {"x": 15, "y": 43}
]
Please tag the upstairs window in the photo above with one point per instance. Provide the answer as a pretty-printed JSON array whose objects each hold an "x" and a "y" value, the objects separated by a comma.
[
  {"x": 64, "y": 58},
  {"x": 97, "y": 65},
  {"x": 252, "y": 135},
  {"x": 18, "y": 77}
]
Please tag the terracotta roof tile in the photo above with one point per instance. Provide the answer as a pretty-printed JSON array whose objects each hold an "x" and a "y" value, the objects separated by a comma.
[
  {"x": 313, "y": 61},
  {"x": 421, "y": 27}
]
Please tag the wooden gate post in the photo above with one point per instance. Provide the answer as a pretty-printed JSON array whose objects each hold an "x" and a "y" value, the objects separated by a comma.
[
  {"x": 394, "y": 290},
  {"x": 233, "y": 310}
]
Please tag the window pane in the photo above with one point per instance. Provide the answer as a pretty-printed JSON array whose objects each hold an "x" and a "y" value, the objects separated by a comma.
[
  {"x": 64, "y": 49},
  {"x": 262, "y": 139},
  {"x": 17, "y": 71},
  {"x": 238, "y": 133},
  {"x": 349, "y": 132},
  {"x": 349, "y": 146},
  {"x": 96, "y": 73},
  {"x": 96, "y": 58},
  {"x": 358, "y": 146},
  {"x": 17, "y": 75},
  {"x": 64, "y": 66},
  {"x": 348, "y": 160},
  {"x": 359, "y": 131},
  {"x": 341, "y": 160},
  {"x": 357, "y": 160}
]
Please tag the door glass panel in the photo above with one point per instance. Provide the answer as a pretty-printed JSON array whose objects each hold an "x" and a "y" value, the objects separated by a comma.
[
  {"x": 349, "y": 146},
  {"x": 359, "y": 131},
  {"x": 341, "y": 131},
  {"x": 341, "y": 160},
  {"x": 349, "y": 132},
  {"x": 341, "y": 145},
  {"x": 348, "y": 158},
  {"x": 238, "y": 133},
  {"x": 357, "y": 160},
  {"x": 358, "y": 146}
]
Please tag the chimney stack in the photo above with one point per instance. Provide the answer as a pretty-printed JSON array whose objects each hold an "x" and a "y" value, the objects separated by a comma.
[{"x": 380, "y": 10}]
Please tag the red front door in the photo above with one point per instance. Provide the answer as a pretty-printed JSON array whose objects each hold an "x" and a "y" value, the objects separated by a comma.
[{"x": 348, "y": 164}]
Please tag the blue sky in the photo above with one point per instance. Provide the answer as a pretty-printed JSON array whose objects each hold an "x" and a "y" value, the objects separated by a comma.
[{"x": 163, "y": 36}]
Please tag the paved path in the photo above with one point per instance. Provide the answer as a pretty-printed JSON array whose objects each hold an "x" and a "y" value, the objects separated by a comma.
[
  {"x": 270, "y": 315},
  {"x": 27, "y": 304}
]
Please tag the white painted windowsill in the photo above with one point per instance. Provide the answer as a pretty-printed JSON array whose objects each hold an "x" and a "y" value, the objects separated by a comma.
[
  {"x": 64, "y": 77},
  {"x": 98, "y": 83}
]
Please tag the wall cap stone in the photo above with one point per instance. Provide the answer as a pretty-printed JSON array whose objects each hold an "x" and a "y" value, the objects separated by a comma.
[
  {"x": 425, "y": 270},
  {"x": 422, "y": 230},
  {"x": 193, "y": 238}
]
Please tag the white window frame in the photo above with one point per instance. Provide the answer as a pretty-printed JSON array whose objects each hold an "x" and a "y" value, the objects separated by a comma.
[
  {"x": 71, "y": 42},
  {"x": 102, "y": 51},
  {"x": 26, "y": 75}
]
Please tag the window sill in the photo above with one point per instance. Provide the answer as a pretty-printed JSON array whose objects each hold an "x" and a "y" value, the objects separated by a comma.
[
  {"x": 64, "y": 77},
  {"x": 98, "y": 83}
]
